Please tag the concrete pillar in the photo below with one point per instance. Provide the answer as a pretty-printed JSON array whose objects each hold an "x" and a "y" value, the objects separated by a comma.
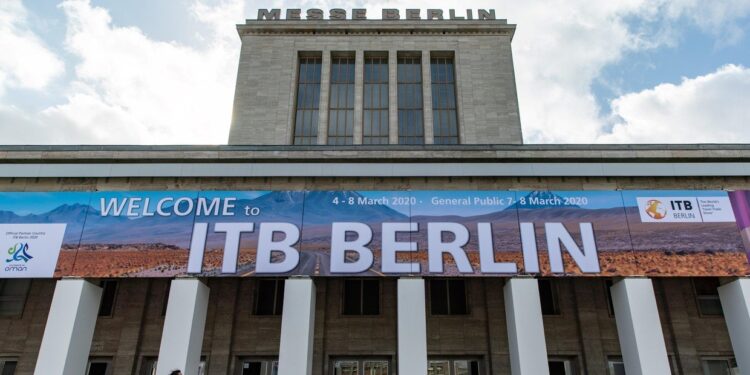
[
  {"x": 182, "y": 336},
  {"x": 325, "y": 93},
  {"x": 639, "y": 328},
  {"x": 523, "y": 310},
  {"x": 359, "y": 85},
  {"x": 70, "y": 327},
  {"x": 297, "y": 327},
  {"x": 735, "y": 301},
  {"x": 393, "y": 97},
  {"x": 429, "y": 137},
  {"x": 412, "y": 326}
]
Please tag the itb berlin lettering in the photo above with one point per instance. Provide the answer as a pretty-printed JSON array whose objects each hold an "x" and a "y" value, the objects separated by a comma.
[{"x": 351, "y": 253}]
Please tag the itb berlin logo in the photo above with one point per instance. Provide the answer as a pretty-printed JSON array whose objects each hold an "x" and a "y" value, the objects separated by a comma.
[{"x": 18, "y": 253}]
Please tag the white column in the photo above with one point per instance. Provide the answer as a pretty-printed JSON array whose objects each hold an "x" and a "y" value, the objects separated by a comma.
[
  {"x": 523, "y": 315},
  {"x": 735, "y": 301},
  {"x": 639, "y": 327},
  {"x": 412, "y": 327},
  {"x": 182, "y": 336},
  {"x": 70, "y": 328},
  {"x": 297, "y": 327}
]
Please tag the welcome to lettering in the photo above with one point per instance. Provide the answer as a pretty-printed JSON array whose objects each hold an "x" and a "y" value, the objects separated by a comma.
[{"x": 361, "y": 14}]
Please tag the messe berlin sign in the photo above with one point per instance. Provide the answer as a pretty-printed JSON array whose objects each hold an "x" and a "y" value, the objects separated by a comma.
[{"x": 374, "y": 233}]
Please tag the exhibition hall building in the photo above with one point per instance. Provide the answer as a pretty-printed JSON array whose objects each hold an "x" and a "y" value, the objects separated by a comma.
[{"x": 375, "y": 212}]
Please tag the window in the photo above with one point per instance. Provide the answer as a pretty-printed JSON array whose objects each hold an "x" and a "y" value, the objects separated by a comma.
[
  {"x": 99, "y": 366},
  {"x": 375, "y": 101},
  {"x": 269, "y": 297},
  {"x": 165, "y": 300},
  {"x": 361, "y": 366},
  {"x": 608, "y": 292},
  {"x": 707, "y": 296},
  {"x": 444, "y": 119},
  {"x": 562, "y": 366},
  {"x": 410, "y": 121},
  {"x": 456, "y": 366},
  {"x": 361, "y": 297},
  {"x": 720, "y": 366},
  {"x": 8, "y": 366},
  {"x": 616, "y": 366},
  {"x": 259, "y": 366},
  {"x": 341, "y": 107},
  {"x": 13, "y": 296},
  {"x": 148, "y": 366},
  {"x": 109, "y": 292},
  {"x": 448, "y": 297},
  {"x": 548, "y": 297},
  {"x": 308, "y": 101}
]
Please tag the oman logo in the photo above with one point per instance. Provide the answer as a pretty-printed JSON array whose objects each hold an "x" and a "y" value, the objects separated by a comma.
[
  {"x": 19, "y": 252},
  {"x": 655, "y": 209}
]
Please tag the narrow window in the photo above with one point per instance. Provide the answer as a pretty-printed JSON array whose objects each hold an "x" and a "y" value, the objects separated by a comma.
[
  {"x": 148, "y": 366},
  {"x": 410, "y": 121},
  {"x": 99, "y": 366},
  {"x": 616, "y": 366},
  {"x": 608, "y": 291},
  {"x": 109, "y": 292},
  {"x": 341, "y": 113},
  {"x": 707, "y": 296},
  {"x": 444, "y": 119},
  {"x": 13, "y": 296},
  {"x": 165, "y": 300},
  {"x": 308, "y": 101},
  {"x": 361, "y": 297},
  {"x": 375, "y": 101},
  {"x": 562, "y": 366},
  {"x": 548, "y": 297},
  {"x": 448, "y": 297},
  {"x": 8, "y": 366},
  {"x": 269, "y": 297},
  {"x": 720, "y": 366}
]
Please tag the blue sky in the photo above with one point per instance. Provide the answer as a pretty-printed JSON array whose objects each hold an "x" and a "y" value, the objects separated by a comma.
[{"x": 163, "y": 71}]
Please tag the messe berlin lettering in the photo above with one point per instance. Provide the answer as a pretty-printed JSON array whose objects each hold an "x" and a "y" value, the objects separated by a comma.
[
  {"x": 387, "y": 14},
  {"x": 375, "y": 233}
]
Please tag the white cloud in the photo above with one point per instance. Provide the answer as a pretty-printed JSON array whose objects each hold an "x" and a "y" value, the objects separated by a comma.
[
  {"x": 25, "y": 62},
  {"x": 710, "y": 108},
  {"x": 130, "y": 88}
]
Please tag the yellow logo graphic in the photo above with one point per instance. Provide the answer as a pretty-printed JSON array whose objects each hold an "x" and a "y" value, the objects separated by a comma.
[{"x": 656, "y": 209}]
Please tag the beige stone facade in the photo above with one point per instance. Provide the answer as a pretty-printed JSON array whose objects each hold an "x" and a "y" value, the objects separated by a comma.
[{"x": 266, "y": 82}]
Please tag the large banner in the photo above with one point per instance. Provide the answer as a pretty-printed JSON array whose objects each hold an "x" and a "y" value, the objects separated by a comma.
[{"x": 375, "y": 233}]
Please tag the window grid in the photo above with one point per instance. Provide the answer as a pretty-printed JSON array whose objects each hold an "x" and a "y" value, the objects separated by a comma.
[
  {"x": 361, "y": 297},
  {"x": 375, "y": 101},
  {"x": 448, "y": 297},
  {"x": 341, "y": 108},
  {"x": 308, "y": 101},
  {"x": 410, "y": 105},
  {"x": 444, "y": 118},
  {"x": 269, "y": 297}
]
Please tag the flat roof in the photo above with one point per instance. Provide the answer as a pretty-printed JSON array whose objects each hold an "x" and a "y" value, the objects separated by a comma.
[
  {"x": 376, "y": 161},
  {"x": 379, "y": 153}
]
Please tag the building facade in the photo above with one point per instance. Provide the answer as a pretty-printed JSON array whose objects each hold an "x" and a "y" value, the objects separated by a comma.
[{"x": 423, "y": 111}]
